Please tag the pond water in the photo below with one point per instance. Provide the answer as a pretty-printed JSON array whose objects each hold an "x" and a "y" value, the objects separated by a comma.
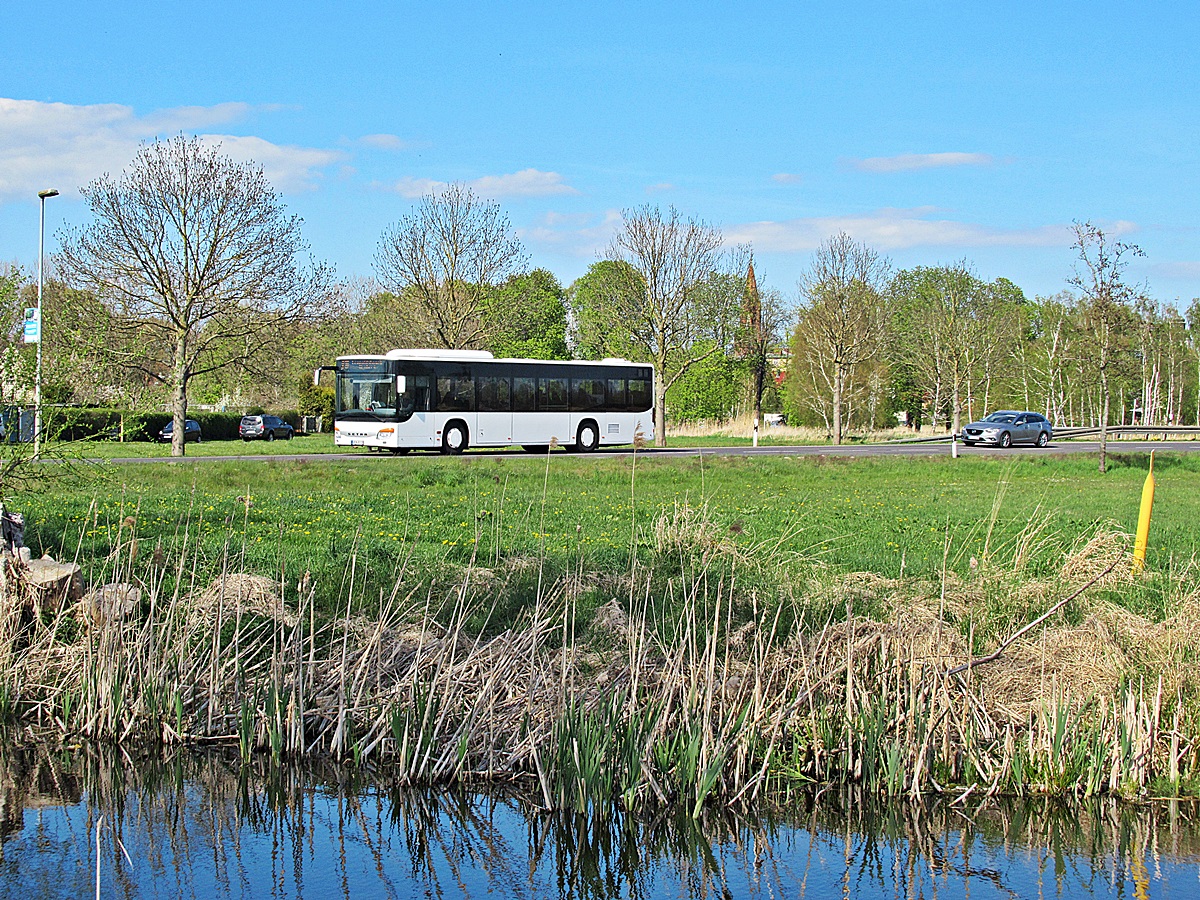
[{"x": 205, "y": 826}]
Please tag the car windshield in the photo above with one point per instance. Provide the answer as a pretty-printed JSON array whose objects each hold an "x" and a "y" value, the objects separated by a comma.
[{"x": 1001, "y": 418}]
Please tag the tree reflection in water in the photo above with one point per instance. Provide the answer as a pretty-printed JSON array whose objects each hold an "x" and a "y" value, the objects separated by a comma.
[{"x": 203, "y": 825}]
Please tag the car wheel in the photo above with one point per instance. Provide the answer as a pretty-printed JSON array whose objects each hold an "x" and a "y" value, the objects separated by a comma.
[
  {"x": 454, "y": 439},
  {"x": 1006, "y": 440},
  {"x": 270, "y": 435},
  {"x": 587, "y": 438},
  {"x": 288, "y": 436},
  {"x": 1043, "y": 439}
]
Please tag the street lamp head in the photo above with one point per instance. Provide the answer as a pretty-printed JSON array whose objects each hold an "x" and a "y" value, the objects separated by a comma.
[{"x": 50, "y": 193}]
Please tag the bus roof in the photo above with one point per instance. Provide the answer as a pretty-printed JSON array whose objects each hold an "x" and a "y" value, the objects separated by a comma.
[{"x": 434, "y": 355}]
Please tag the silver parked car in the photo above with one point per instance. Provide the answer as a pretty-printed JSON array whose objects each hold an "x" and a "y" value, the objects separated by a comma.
[
  {"x": 1007, "y": 427},
  {"x": 266, "y": 428}
]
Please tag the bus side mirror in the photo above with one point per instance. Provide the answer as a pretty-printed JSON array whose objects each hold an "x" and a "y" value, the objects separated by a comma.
[{"x": 401, "y": 382}]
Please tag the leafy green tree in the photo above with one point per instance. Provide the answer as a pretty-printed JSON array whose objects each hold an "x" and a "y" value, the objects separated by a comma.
[
  {"x": 670, "y": 299},
  {"x": 607, "y": 284},
  {"x": 16, "y": 361},
  {"x": 708, "y": 390},
  {"x": 1100, "y": 277},
  {"x": 80, "y": 343},
  {"x": 526, "y": 317},
  {"x": 935, "y": 322}
]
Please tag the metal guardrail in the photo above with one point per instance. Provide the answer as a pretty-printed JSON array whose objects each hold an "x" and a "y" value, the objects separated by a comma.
[
  {"x": 1185, "y": 431},
  {"x": 1164, "y": 430}
]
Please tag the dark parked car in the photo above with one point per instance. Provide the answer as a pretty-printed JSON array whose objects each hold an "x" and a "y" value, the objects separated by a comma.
[
  {"x": 191, "y": 431},
  {"x": 1007, "y": 427},
  {"x": 266, "y": 427}
]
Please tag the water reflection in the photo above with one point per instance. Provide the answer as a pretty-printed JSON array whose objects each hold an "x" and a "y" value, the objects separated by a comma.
[{"x": 205, "y": 826}]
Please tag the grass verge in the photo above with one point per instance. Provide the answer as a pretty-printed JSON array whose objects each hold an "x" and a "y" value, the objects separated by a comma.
[{"x": 704, "y": 650}]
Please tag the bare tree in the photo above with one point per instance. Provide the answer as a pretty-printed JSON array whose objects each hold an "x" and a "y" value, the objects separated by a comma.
[
  {"x": 1099, "y": 276},
  {"x": 843, "y": 312},
  {"x": 666, "y": 297},
  {"x": 198, "y": 259},
  {"x": 442, "y": 260}
]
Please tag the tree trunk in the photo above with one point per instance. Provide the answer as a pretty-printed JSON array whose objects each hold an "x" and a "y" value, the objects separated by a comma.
[
  {"x": 179, "y": 401},
  {"x": 660, "y": 403},
  {"x": 760, "y": 373},
  {"x": 1103, "y": 418},
  {"x": 837, "y": 403}
]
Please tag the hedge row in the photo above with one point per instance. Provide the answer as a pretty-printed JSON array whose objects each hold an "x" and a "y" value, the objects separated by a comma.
[{"x": 75, "y": 424}]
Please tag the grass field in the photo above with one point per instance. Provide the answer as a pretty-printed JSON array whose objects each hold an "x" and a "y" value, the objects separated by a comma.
[
  {"x": 636, "y": 631},
  {"x": 434, "y": 516}
]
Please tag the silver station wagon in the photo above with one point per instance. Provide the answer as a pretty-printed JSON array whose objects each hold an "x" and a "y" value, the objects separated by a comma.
[{"x": 1007, "y": 427}]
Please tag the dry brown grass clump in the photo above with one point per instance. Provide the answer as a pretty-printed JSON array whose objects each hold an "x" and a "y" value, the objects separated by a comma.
[{"x": 885, "y": 688}]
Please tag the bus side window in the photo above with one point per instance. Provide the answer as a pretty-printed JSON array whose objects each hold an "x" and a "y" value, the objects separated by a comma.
[
  {"x": 524, "y": 394},
  {"x": 455, "y": 393},
  {"x": 616, "y": 394},
  {"x": 639, "y": 395},
  {"x": 552, "y": 394},
  {"x": 492, "y": 393},
  {"x": 420, "y": 392},
  {"x": 587, "y": 394}
]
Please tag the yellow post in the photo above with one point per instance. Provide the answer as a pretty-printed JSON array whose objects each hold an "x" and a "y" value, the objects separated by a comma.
[{"x": 1143, "y": 529}]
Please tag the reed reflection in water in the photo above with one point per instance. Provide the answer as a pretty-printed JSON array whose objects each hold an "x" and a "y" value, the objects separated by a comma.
[{"x": 207, "y": 826}]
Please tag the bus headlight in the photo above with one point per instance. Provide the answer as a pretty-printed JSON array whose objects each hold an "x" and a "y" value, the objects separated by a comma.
[{"x": 383, "y": 431}]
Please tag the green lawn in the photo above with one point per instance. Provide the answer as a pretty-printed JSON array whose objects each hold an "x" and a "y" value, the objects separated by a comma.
[
  {"x": 428, "y": 517},
  {"x": 96, "y": 449}
]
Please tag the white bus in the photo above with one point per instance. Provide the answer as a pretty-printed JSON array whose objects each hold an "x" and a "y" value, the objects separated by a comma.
[{"x": 450, "y": 400}]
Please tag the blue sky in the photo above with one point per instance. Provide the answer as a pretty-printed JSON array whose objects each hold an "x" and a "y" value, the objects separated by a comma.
[{"x": 932, "y": 131}]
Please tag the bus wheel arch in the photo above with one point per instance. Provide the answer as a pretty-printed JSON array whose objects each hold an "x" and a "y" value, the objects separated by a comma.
[
  {"x": 455, "y": 437},
  {"x": 587, "y": 437}
]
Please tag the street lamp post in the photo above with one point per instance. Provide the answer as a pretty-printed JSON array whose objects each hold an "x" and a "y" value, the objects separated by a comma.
[{"x": 43, "y": 196}]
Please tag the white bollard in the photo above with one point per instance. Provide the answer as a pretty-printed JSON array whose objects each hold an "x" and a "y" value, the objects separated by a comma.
[
  {"x": 954, "y": 446},
  {"x": 756, "y": 431}
]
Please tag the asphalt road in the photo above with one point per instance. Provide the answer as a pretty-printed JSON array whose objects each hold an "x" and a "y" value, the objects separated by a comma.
[{"x": 846, "y": 450}]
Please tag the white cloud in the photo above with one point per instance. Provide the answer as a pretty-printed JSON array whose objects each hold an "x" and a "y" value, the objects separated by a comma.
[
  {"x": 385, "y": 142},
  {"x": 909, "y": 162},
  {"x": 1176, "y": 269},
  {"x": 787, "y": 178},
  {"x": 897, "y": 229},
  {"x": 576, "y": 234},
  {"x": 59, "y": 145},
  {"x": 415, "y": 188},
  {"x": 526, "y": 183},
  {"x": 287, "y": 168}
]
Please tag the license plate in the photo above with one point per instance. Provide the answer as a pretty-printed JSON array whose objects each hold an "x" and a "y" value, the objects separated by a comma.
[{"x": 358, "y": 443}]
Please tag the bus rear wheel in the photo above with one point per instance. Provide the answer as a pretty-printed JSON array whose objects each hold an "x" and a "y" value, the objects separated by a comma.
[
  {"x": 454, "y": 439},
  {"x": 587, "y": 439}
]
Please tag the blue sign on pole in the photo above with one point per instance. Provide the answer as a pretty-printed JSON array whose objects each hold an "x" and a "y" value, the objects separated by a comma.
[{"x": 33, "y": 324}]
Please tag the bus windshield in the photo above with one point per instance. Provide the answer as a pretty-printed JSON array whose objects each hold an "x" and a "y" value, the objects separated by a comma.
[{"x": 372, "y": 394}]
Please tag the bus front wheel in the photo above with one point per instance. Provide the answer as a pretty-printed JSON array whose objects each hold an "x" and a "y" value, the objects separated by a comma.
[
  {"x": 588, "y": 437},
  {"x": 454, "y": 438}
]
